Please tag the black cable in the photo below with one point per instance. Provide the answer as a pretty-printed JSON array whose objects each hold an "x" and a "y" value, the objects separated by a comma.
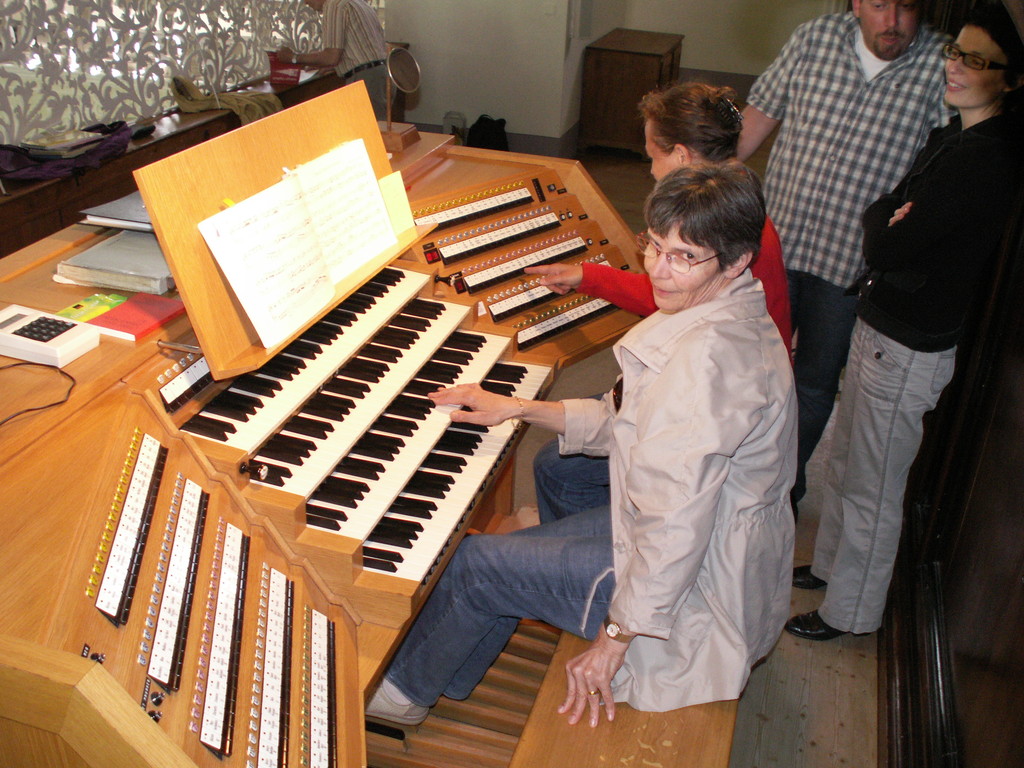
[{"x": 67, "y": 394}]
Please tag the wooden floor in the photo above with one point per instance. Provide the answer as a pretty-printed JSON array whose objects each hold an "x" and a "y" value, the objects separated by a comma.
[{"x": 809, "y": 705}]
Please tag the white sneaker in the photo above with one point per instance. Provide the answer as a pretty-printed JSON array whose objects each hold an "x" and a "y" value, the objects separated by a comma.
[{"x": 382, "y": 707}]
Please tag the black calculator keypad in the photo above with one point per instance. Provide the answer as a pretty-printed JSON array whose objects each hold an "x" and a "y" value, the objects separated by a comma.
[{"x": 44, "y": 328}]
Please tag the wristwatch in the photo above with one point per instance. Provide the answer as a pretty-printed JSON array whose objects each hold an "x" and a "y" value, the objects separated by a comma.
[{"x": 615, "y": 632}]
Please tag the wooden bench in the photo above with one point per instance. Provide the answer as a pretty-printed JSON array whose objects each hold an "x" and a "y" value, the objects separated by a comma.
[{"x": 692, "y": 737}]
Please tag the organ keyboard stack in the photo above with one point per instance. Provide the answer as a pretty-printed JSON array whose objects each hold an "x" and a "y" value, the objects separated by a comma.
[{"x": 238, "y": 536}]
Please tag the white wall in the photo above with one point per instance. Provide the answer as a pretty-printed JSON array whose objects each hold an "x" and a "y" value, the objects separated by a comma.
[
  {"x": 522, "y": 60},
  {"x": 739, "y": 36}
]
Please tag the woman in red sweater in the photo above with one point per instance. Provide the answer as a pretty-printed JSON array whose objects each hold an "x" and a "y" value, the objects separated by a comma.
[{"x": 685, "y": 124}]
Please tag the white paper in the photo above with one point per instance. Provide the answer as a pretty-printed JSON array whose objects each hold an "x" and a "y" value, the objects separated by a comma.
[
  {"x": 348, "y": 209},
  {"x": 268, "y": 249}
]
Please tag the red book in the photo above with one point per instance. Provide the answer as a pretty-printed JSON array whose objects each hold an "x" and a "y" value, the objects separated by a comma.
[{"x": 143, "y": 313}]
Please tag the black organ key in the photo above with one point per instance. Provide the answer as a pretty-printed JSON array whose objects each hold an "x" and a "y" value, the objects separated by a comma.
[
  {"x": 282, "y": 367},
  {"x": 396, "y": 337},
  {"x": 454, "y": 441},
  {"x": 393, "y": 426},
  {"x": 379, "y": 352},
  {"x": 377, "y": 446},
  {"x": 286, "y": 448},
  {"x": 306, "y": 350},
  {"x": 327, "y": 406},
  {"x": 258, "y": 385},
  {"x": 321, "y": 333},
  {"x": 394, "y": 537},
  {"x": 421, "y": 387},
  {"x": 410, "y": 407},
  {"x": 421, "y": 508},
  {"x": 498, "y": 387},
  {"x": 346, "y": 387},
  {"x": 325, "y": 517},
  {"x": 350, "y": 465},
  {"x": 308, "y": 427},
  {"x": 443, "y": 462},
  {"x": 429, "y": 484},
  {"x": 339, "y": 317},
  {"x": 444, "y": 373},
  {"x": 455, "y": 356},
  {"x": 340, "y": 491},
  {"x": 409, "y": 322},
  {"x": 424, "y": 308},
  {"x": 463, "y": 340},
  {"x": 506, "y": 372},
  {"x": 380, "y": 559},
  {"x": 234, "y": 405},
  {"x": 359, "y": 370},
  {"x": 215, "y": 429}
]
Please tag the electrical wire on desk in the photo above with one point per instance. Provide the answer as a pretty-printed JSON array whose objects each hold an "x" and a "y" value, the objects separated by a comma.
[{"x": 64, "y": 399}]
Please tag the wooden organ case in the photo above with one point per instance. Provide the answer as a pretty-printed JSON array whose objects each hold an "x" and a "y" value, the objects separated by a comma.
[{"x": 236, "y": 537}]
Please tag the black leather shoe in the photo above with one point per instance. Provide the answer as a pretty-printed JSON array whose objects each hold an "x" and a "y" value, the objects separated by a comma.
[
  {"x": 810, "y": 626},
  {"x": 804, "y": 579}
]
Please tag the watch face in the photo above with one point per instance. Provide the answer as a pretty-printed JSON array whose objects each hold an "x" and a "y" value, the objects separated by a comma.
[{"x": 612, "y": 629}]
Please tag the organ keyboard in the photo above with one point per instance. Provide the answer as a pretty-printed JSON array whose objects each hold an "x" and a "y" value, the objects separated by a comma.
[{"x": 246, "y": 616}]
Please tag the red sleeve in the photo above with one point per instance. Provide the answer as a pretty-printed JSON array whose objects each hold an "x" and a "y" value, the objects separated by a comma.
[
  {"x": 769, "y": 269},
  {"x": 630, "y": 291}
]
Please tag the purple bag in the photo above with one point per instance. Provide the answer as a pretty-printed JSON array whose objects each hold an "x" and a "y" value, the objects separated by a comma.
[{"x": 16, "y": 163}]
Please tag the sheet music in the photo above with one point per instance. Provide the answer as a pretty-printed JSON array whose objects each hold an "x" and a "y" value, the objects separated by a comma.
[
  {"x": 350, "y": 216},
  {"x": 268, "y": 249}
]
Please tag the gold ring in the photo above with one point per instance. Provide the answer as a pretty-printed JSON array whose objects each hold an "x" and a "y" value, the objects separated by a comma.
[{"x": 593, "y": 693}]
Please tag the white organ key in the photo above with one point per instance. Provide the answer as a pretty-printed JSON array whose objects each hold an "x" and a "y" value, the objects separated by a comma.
[
  {"x": 218, "y": 704},
  {"x": 132, "y": 528},
  {"x": 277, "y": 612},
  {"x": 177, "y": 580}
]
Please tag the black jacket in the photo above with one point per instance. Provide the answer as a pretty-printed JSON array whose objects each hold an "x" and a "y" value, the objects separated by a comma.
[{"x": 925, "y": 270}]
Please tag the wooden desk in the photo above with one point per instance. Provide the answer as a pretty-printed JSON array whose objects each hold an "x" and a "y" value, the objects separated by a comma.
[{"x": 618, "y": 70}]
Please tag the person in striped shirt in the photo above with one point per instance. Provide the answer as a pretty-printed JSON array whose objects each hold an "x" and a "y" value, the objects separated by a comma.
[{"x": 354, "y": 47}]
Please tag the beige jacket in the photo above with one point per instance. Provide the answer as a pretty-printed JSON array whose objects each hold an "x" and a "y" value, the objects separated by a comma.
[{"x": 702, "y": 458}]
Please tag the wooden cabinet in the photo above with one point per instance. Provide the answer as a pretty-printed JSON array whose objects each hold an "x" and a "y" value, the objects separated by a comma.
[{"x": 618, "y": 70}]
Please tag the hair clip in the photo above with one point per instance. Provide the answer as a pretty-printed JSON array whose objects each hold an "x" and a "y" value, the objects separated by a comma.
[{"x": 728, "y": 112}]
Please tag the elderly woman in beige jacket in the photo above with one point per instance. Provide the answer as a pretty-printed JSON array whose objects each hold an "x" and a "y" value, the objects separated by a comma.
[{"x": 683, "y": 583}]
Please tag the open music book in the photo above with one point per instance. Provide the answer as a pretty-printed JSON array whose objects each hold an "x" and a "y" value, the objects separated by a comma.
[{"x": 284, "y": 249}]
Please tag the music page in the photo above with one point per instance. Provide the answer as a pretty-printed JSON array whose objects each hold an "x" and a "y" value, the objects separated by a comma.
[
  {"x": 267, "y": 247},
  {"x": 348, "y": 208}
]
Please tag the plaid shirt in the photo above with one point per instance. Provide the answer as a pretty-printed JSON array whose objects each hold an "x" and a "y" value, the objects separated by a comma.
[
  {"x": 843, "y": 141},
  {"x": 353, "y": 26}
]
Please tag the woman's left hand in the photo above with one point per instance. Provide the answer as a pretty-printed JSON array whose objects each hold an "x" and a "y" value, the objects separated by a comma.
[
  {"x": 589, "y": 680},
  {"x": 900, "y": 213}
]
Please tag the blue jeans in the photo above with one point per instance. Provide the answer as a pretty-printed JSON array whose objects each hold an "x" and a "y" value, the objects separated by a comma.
[
  {"x": 568, "y": 485},
  {"x": 560, "y": 573},
  {"x": 887, "y": 391},
  {"x": 823, "y": 321}
]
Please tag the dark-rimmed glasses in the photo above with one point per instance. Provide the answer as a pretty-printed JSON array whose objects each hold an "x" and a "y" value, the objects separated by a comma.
[
  {"x": 970, "y": 60},
  {"x": 680, "y": 262}
]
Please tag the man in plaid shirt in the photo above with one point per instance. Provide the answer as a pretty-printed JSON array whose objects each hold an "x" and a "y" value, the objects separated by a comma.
[{"x": 856, "y": 95}]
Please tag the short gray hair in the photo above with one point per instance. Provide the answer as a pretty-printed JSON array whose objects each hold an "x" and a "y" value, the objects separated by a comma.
[{"x": 719, "y": 206}]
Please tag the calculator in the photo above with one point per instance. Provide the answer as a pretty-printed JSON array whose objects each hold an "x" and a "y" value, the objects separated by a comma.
[{"x": 39, "y": 337}]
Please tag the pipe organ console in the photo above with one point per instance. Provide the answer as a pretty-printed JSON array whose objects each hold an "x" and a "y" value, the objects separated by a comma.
[{"x": 239, "y": 536}]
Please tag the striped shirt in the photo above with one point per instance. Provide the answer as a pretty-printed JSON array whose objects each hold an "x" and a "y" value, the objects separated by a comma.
[
  {"x": 353, "y": 27},
  {"x": 844, "y": 141}
]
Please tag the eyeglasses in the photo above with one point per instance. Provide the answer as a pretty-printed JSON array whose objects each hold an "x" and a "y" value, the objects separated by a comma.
[
  {"x": 680, "y": 262},
  {"x": 971, "y": 60}
]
